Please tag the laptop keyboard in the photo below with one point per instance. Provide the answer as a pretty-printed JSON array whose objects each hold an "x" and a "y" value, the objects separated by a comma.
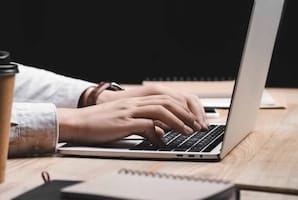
[{"x": 200, "y": 141}]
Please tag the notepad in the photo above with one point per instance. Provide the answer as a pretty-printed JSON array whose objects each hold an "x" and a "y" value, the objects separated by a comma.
[
  {"x": 267, "y": 101},
  {"x": 217, "y": 94},
  {"x": 134, "y": 184}
]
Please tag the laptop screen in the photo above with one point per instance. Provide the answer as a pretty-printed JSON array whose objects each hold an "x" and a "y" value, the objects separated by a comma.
[{"x": 253, "y": 70}]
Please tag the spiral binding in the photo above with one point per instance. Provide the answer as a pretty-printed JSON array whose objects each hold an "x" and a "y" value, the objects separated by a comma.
[
  {"x": 188, "y": 78},
  {"x": 256, "y": 188},
  {"x": 169, "y": 176}
]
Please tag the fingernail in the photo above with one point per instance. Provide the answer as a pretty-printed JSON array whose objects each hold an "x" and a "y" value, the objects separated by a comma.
[
  {"x": 206, "y": 123},
  {"x": 188, "y": 130},
  {"x": 206, "y": 126},
  {"x": 196, "y": 125}
]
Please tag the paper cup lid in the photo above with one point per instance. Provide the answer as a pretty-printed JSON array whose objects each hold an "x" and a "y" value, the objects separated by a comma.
[{"x": 7, "y": 68}]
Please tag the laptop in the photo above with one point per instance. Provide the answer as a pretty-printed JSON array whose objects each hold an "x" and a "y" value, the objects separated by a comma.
[{"x": 220, "y": 139}]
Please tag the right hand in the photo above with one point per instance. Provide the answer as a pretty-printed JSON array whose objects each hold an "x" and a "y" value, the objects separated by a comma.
[{"x": 149, "y": 116}]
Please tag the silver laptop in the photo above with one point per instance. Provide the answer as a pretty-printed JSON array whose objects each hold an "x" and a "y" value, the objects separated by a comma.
[{"x": 220, "y": 139}]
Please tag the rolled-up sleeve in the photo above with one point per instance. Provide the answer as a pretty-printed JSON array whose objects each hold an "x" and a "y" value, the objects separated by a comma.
[
  {"x": 39, "y": 85},
  {"x": 34, "y": 123},
  {"x": 34, "y": 129}
]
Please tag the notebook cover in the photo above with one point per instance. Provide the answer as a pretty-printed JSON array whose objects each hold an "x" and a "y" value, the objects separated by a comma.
[
  {"x": 47, "y": 191},
  {"x": 150, "y": 186}
]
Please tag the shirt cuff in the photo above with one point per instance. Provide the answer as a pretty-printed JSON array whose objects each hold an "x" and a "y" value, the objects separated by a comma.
[{"x": 34, "y": 129}]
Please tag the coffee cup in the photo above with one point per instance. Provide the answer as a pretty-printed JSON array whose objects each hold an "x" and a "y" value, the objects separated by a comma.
[{"x": 8, "y": 71}]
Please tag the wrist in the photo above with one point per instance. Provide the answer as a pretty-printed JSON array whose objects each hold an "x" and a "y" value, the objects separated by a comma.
[
  {"x": 66, "y": 124},
  {"x": 91, "y": 95}
]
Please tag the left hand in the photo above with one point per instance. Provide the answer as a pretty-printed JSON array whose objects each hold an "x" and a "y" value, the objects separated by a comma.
[{"x": 190, "y": 101}]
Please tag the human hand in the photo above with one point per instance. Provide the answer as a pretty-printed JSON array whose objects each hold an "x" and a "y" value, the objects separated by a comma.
[
  {"x": 189, "y": 101},
  {"x": 141, "y": 113}
]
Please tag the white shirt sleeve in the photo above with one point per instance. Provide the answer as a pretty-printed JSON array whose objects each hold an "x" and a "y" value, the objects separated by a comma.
[
  {"x": 34, "y": 129},
  {"x": 34, "y": 123},
  {"x": 39, "y": 85}
]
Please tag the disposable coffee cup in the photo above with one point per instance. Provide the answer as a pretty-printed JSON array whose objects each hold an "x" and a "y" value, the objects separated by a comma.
[{"x": 7, "y": 79}]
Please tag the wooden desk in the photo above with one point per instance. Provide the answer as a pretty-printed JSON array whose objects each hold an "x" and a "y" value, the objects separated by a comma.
[{"x": 267, "y": 157}]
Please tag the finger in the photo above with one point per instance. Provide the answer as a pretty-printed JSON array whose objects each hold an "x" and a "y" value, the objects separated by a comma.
[
  {"x": 197, "y": 108},
  {"x": 162, "y": 125},
  {"x": 160, "y": 113},
  {"x": 152, "y": 132},
  {"x": 176, "y": 108},
  {"x": 156, "y": 137}
]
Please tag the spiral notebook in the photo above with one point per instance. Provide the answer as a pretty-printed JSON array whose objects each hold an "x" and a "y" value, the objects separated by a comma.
[{"x": 138, "y": 185}]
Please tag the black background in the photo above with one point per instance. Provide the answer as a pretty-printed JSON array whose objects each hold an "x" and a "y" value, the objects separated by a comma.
[{"x": 131, "y": 41}]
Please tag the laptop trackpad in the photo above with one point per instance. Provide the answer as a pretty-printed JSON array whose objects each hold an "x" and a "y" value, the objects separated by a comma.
[
  {"x": 122, "y": 144},
  {"x": 125, "y": 143}
]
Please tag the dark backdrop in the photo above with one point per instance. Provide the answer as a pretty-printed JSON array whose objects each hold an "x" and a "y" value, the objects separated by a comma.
[{"x": 131, "y": 41}]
